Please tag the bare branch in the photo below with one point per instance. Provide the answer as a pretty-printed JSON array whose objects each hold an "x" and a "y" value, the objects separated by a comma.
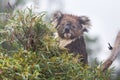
[{"x": 115, "y": 51}]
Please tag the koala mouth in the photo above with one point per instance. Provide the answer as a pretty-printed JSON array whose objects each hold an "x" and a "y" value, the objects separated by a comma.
[{"x": 67, "y": 35}]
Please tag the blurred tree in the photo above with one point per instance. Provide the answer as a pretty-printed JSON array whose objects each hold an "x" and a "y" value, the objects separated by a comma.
[
  {"x": 56, "y": 4},
  {"x": 9, "y": 5},
  {"x": 51, "y": 5},
  {"x": 93, "y": 47}
]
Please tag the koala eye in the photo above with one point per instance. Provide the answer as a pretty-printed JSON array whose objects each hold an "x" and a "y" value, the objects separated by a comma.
[
  {"x": 81, "y": 26},
  {"x": 62, "y": 24},
  {"x": 68, "y": 24},
  {"x": 73, "y": 26}
]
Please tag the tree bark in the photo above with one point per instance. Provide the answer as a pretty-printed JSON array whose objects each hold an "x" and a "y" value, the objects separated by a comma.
[{"x": 114, "y": 53}]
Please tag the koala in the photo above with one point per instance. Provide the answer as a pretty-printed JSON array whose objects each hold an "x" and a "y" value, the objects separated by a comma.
[{"x": 70, "y": 29}]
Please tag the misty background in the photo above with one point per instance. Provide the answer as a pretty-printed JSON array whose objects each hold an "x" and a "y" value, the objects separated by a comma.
[{"x": 104, "y": 15}]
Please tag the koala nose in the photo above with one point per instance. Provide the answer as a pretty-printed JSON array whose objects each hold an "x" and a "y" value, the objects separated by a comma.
[{"x": 67, "y": 30}]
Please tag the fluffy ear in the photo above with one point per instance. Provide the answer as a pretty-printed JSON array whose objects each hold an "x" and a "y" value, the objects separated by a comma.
[
  {"x": 85, "y": 22},
  {"x": 56, "y": 18},
  {"x": 57, "y": 15}
]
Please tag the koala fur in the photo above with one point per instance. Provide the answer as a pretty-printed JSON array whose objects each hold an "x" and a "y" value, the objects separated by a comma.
[{"x": 70, "y": 29}]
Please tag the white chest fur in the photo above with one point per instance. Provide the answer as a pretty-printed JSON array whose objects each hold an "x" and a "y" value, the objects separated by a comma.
[{"x": 64, "y": 42}]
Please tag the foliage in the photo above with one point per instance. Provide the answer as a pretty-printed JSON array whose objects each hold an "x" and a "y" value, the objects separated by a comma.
[
  {"x": 25, "y": 65},
  {"x": 27, "y": 29},
  {"x": 35, "y": 54}
]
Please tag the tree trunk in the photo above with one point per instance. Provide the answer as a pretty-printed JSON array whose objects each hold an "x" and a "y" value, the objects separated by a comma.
[{"x": 114, "y": 53}]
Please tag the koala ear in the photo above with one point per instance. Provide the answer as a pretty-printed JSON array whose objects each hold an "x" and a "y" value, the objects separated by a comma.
[
  {"x": 56, "y": 18},
  {"x": 57, "y": 15},
  {"x": 85, "y": 22}
]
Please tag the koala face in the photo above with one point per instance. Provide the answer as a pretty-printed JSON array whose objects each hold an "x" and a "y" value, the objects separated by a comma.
[{"x": 70, "y": 26}]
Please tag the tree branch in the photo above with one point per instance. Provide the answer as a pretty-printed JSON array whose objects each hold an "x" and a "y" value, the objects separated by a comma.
[{"x": 114, "y": 53}]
